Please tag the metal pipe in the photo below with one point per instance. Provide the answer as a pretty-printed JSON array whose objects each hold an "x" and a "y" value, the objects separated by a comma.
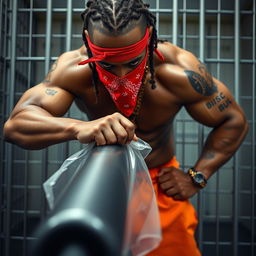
[{"x": 91, "y": 211}]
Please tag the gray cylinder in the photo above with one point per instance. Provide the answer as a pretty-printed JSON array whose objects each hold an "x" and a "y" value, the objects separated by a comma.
[{"x": 89, "y": 217}]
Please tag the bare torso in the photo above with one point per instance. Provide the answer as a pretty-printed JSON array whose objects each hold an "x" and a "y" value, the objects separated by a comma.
[{"x": 155, "y": 120}]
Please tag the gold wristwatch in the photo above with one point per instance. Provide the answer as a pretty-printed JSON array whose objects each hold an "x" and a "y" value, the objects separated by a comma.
[{"x": 197, "y": 177}]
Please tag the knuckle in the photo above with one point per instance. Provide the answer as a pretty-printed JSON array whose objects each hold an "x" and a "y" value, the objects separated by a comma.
[
  {"x": 116, "y": 115},
  {"x": 96, "y": 129},
  {"x": 109, "y": 118}
]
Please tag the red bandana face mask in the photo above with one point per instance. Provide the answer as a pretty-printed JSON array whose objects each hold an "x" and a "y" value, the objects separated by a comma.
[{"x": 123, "y": 90}]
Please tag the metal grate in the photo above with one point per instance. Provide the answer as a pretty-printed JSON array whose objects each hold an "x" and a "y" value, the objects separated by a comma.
[{"x": 220, "y": 33}]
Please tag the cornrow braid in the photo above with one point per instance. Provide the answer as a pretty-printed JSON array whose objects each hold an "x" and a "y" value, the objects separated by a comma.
[{"x": 116, "y": 16}]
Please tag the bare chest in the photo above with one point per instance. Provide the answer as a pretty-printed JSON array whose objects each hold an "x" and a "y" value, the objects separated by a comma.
[{"x": 158, "y": 106}]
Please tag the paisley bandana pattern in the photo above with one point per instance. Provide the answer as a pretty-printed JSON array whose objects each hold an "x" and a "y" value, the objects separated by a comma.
[{"x": 123, "y": 90}]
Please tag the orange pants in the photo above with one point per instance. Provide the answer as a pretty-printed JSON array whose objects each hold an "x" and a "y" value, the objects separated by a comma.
[{"x": 178, "y": 221}]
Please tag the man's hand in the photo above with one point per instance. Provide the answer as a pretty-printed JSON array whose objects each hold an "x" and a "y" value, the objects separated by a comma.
[
  {"x": 111, "y": 129},
  {"x": 177, "y": 184}
]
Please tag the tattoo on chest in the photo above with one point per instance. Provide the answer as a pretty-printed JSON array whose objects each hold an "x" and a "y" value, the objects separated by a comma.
[
  {"x": 203, "y": 82},
  {"x": 50, "y": 92}
]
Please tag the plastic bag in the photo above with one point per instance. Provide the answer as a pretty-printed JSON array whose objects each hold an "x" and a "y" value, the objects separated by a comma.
[{"x": 142, "y": 230}]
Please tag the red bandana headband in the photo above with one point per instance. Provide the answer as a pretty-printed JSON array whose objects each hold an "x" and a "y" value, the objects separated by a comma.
[{"x": 119, "y": 54}]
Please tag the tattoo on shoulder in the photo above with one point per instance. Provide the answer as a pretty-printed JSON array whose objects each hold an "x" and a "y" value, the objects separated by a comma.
[
  {"x": 50, "y": 92},
  {"x": 48, "y": 77},
  {"x": 203, "y": 82}
]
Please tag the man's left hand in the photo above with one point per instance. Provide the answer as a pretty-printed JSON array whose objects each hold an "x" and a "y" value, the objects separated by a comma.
[{"x": 176, "y": 184}]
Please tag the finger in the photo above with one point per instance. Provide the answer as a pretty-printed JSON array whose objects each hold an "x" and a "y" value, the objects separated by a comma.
[
  {"x": 120, "y": 132},
  {"x": 129, "y": 127},
  {"x": 109, "y": 135},
  {"x": 100, "y": 139},
  {"x": 135, "y": 138},
  {"x": 164, "y": 177},
  {"x": 164, "y": 170},
  {"x": 172, "y": 192},
  {"x": 166, "y": 185}
]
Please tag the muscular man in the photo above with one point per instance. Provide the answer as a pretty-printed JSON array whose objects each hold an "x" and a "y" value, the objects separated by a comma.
[{"x": 130, "y": 85}]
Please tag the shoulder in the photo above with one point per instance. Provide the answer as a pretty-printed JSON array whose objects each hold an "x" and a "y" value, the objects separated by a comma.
[
  {"x": 65, "y": 71},
  {"x": 183, "y": 74}
]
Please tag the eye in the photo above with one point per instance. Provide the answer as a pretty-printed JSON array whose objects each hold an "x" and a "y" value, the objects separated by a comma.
[
  {"x": 106, "y": 65},
  {"x": 134, "y": 63}
]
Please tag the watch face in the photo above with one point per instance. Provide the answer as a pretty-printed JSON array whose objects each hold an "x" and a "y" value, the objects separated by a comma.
[{"x": 199, "y": 177}]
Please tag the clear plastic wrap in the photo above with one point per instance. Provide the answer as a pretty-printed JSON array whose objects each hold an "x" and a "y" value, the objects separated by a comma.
[{"x": 142, "y": 228}]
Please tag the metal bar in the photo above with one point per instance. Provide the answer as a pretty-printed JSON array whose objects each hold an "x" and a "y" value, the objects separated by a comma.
[
  {"x": 25, "y": 225},
  {"x": 68, "y": 48},
  {"x": 184, "y": 25},
  {"x": 236, "y": 91},
  {"x": 200, "y": 127},
  {"x": 3, "y": 64},
  {"x": 175, "y": 23},
  {"x": 253, "y": 129},
  {"x": 9, "y": 147},
  {"x": 48, "y": 36},
  {"x": 157, "y": 15},
  {"x": 217, "y": 175},
  {"x": 47, "y": 66},
  {"x": 69, "y": 25}
]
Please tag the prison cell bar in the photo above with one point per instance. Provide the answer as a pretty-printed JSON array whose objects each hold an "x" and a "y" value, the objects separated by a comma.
[
  {"x": 253, "y": 242},
  {"x": 90, "y": 213},
  {"x": 9, "y": 147},
  {"x": 236, "y": 188}
]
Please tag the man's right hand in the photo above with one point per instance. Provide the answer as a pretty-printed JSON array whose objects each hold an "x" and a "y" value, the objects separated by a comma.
[{"x": 110, "y": 129}]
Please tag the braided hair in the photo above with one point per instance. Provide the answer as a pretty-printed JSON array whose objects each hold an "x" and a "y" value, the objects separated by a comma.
[{"x": 117, "y": 16}]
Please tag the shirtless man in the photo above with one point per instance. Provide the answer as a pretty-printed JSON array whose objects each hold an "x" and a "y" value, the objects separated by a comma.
[{"x": 121, "y": 36}]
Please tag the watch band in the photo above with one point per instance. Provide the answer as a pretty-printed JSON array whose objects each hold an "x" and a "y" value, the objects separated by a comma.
[{"x": 197, "y": 177}]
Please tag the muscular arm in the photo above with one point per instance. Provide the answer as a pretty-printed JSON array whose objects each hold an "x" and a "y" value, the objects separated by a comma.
[
  {"x": 212, "y": 104},
  {"x": 36, "y": 121},
  {"x": 209, "y": 102}
]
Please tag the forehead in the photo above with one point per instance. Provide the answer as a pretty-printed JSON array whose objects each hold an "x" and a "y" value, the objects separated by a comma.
[{"x": 117, "y": 41}]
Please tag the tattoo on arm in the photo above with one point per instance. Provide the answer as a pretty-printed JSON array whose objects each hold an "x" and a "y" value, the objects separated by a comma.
[
  {"x": 208, "y": 155},
  {"x": 203, "y": 82},
  {"x": 220, "y": 100},
  {"x": 48, "y": 77},
  {"x": 50, "y": 92}
]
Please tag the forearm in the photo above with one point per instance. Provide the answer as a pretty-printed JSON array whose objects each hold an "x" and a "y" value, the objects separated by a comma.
[
  {"x": 36, "y": 130},
  {"x": 221, "y": 145}
]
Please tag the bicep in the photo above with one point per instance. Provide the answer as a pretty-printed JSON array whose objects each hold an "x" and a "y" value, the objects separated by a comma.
[
  {"x": 51, "y": 100},
  {"x": 214, "y": 109}
]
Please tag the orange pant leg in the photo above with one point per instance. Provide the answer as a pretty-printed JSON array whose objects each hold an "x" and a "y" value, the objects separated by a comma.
[{"x": 178, "y": 221}]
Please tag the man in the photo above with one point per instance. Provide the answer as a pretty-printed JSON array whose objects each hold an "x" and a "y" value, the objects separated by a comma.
[{"x": 130, "y": 85}]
